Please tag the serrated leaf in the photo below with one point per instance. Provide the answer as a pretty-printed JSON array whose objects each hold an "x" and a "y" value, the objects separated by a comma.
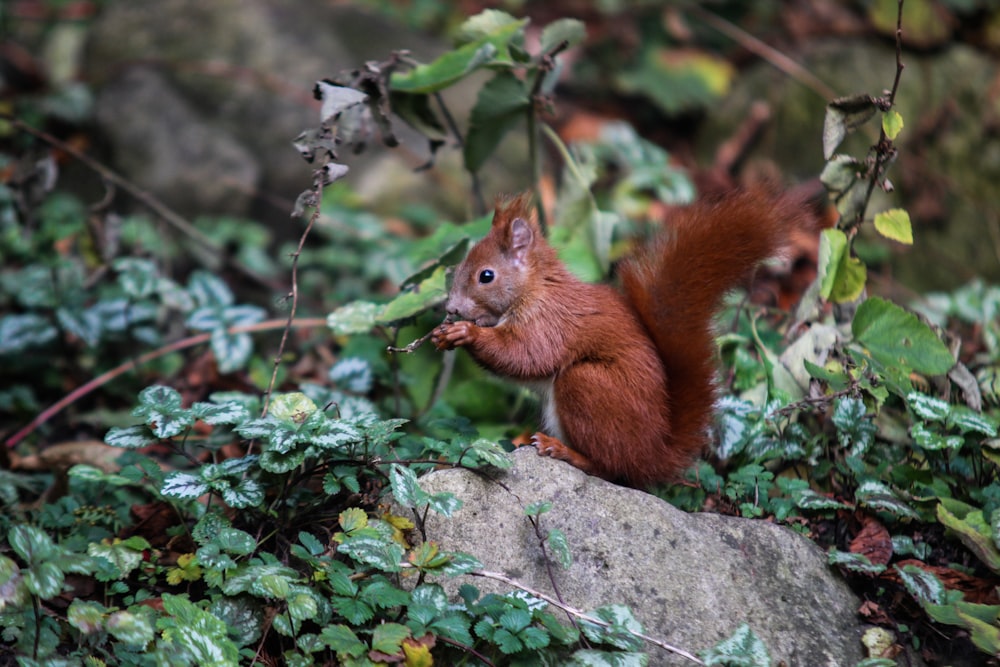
[
  {"x": 896, "y": 338},
  {"x": 405, "y": 487},
  {"x": 353, "y": 518},
  {"x": 133, "y": 628},
  {"x": 892, "y": 124},
  {"x": 200, "y": 633},
  {"x": 560, "y": 548},
  {"x": 844, "y": 115},
  {"x": 491, "y": 453},
  {"x": 388, "y": 637},
  {"x": 382, "y": 554},
  {"x": 86, "y": 616},
  {"x": 124, "y": 558},
  {"x": 281, "y": 463},
  {"x": 209, "y": 289},
  {"x": 353, "y": 374},
  {"x": 231, "y": 350},
  {"x": 215, "y": 414},
  {"x": 235, "y": 541},
  {"x": 895, "y": 224},
  {"x": 342, "y": 640},
  {"x": 743, "y": 648}
]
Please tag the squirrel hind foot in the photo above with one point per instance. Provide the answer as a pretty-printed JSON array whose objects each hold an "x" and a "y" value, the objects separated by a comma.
[{"x": 557, "y": 449}]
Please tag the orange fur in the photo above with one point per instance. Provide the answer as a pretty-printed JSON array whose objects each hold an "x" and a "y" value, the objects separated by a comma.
[{"x": 626, "y": 377}]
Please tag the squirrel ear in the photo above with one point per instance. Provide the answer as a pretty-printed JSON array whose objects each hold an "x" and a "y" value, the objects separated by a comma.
[{"x": 521, "y": 237}]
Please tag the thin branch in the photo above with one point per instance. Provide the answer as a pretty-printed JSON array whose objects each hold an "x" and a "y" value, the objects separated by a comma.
[
  {"x": 208, "y": 249},
  {"x": 104, "y": 378},
  {"x": 768, "y": 53},
  {"x": 318, "y": 200},
  {"x": 884, "y": 149},
  {"x": 583, "y": 616}
]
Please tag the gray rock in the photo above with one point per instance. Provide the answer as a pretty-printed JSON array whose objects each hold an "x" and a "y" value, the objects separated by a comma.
[
  {"x": 162, "y": 143},
  {"x": 691, "y": 579}
]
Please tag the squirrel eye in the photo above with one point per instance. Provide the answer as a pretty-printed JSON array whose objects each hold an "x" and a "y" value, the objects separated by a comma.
[{"x": 486, "y": 276}]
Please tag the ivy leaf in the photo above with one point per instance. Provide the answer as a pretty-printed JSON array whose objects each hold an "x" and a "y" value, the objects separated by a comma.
[
  {"x": 922, "y": 584},
  {"x": 160, "y": 407},
  {"x": 130, "y": 437},
  {"x": 895, "y": 224},
  {"x": 854, "y": 562},
  {"x": 20, "y": 332},
  {"x": 896, "y": 338},
  {"x": 183, "y": 486}
]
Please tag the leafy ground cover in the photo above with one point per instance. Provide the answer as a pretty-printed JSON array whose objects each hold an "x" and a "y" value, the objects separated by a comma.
[{"x": 220, "y": 494}]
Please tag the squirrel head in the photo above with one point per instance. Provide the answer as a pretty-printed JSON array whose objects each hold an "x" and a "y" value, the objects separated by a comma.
[{"x": 498, "y": 270}]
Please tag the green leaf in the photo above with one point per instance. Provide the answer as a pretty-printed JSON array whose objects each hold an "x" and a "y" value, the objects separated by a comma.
[
  {"x": 388, "y": 637},
  {"x": 129, "y": 437},
  {"x": 678, "y": 80},
  {"x": 20, "y": 332},
  {"x": 454, "y": 65},
  {"x": 892, "y": 124},
  {"x": 86, "y": 616},
  {"x": 922, "y": 584},
  {"x": 381, "y": 553},
  {"x": 183, "y": 486},
  {"x": 807, "y": 499},
  {"x": 161, "y": 409},
  {"x": 881, "y": 497},
  {"x": 926, "y": 437},
  {"x": 842, "y": 277},
  {"x": 120, "y": 555},
  {"x": 595, "y": 658},
  {"x": 132, "y": 626},
  {"x": 854, "y": 562},
  {"x": 841, "y": 173},
  {"x": 571, "y": 31},
  {"x": 742, "y": 648},
  {"x": 928, "y": 407},
  {"x": 200, "y": 633},
  {"x": 491, "y": 453},
  {"x": 621, "y": 630},
  {"x": 844, "y": 115},
  {"x": 415, "y": 300},
  {"x": 560, "y": 548},
  {"x": 501, "y": 104},
  {"x": 972, "y": 529},
  {"x": 896, "y": 338},
  {"x": 342, "y": 640},
  {"x": 235, "y": 541},
  {"x": 895, "y": 224},
  {"x": 357, "y": 317}
]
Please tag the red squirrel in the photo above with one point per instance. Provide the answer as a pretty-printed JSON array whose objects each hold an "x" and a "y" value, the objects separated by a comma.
[{"x": 626, "y": 377}]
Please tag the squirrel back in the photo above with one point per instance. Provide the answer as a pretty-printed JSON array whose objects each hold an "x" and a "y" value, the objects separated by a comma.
[{"x": 626, "y": 377}]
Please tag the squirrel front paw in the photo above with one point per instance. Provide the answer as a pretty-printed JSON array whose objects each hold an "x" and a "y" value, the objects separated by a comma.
[{"x": 450, "y": 335}]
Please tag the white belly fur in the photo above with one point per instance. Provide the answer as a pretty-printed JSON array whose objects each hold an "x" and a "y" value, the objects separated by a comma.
[{"x": 550, "y": 415}]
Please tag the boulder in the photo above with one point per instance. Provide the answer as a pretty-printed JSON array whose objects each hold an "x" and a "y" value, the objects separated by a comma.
[{"x": 691, "y": 579}]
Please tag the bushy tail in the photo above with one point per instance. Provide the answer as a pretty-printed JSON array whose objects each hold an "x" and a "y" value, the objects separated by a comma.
[{"x": 676, "y": 284}]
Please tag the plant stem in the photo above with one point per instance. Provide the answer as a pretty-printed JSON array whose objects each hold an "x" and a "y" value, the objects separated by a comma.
[{"x": 121, "y": 369}]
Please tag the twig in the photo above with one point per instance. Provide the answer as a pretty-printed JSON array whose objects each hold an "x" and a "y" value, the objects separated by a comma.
[
  {"x": 208, "y": 249},
  {"x": 884, "y": 149},
  {"x": 770, "y": 54},
  {"x": 318, "y": 199},
  {"x": 412, "y": 346},
  {"x": 106, "y": 377},
  {"x": 583, "y": 616}
]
